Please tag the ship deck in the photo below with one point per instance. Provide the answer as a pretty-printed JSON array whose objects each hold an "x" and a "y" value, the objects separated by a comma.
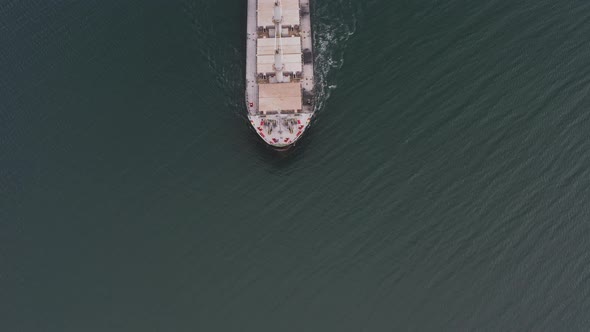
[{"x": 279, "y": 109}]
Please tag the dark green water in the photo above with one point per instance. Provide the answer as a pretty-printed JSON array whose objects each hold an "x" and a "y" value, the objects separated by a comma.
[{"x": 445, "y": 184}]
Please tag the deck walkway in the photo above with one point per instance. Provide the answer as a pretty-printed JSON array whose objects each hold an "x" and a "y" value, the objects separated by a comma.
[
  {"x": 307, "y": 43},
  {"x": 251, "y": 84}
]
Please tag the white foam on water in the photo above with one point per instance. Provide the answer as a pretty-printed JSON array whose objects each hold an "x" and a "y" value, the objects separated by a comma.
[{"x": 333, "y": 24}]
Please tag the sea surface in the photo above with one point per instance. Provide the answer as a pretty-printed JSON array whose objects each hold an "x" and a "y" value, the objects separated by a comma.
[{"x": 444, "y": 184}]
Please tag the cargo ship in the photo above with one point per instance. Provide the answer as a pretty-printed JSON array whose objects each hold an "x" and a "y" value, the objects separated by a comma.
[{"x": 279, "y": 70}]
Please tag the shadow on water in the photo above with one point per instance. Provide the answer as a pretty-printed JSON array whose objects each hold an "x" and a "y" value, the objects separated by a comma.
[
  {"x": 279, "y": 159},
  {"x": 226, "y": 61}
]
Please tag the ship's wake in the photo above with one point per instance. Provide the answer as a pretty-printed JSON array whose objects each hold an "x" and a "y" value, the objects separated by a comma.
[
  {"x": 226, "y": 58},
  {"x": 333, "y": 23}
]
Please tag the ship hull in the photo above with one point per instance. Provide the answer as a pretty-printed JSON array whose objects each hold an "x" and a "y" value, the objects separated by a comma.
[{"x": 279, "y": 70}]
